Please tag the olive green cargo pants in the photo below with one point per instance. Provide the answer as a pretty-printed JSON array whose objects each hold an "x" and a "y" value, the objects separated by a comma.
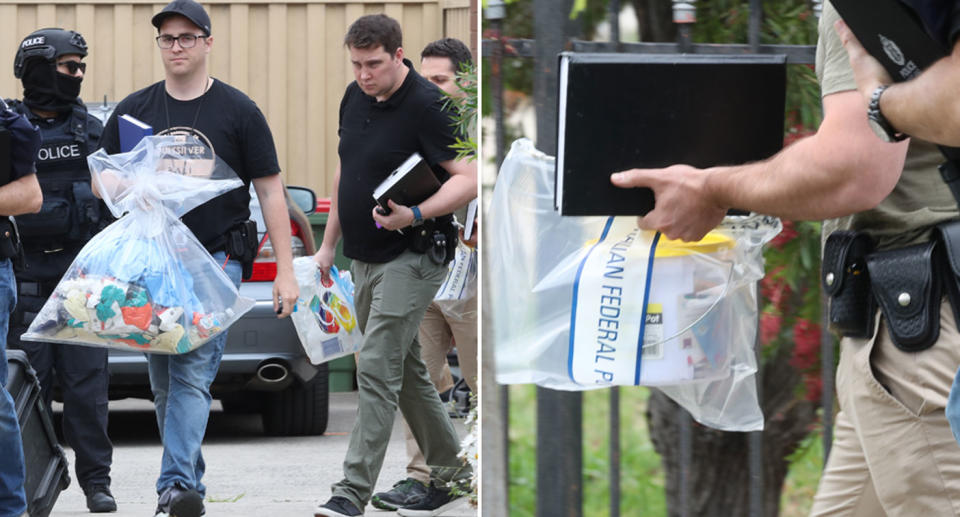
[{"x": 391, "y": 299}]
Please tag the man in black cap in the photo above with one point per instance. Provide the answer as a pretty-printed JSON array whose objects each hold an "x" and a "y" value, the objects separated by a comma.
[
  {"x": 50, "y": 64},
  {"x": 190, "y": 103}
]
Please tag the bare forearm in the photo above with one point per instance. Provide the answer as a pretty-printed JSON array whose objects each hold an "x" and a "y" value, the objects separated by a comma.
[
  {"x": 810, "y": 180},
  {"x": 842, "y": 169},
  {"x": 927, "y": 107},
  {"x": 21, "y": 196}
]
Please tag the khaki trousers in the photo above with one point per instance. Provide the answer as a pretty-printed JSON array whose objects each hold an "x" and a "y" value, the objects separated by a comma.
[
  {"x": 391, "y": 299},
  {"x": 893, "y": 452},
  {"x": 438, "y": 331}
]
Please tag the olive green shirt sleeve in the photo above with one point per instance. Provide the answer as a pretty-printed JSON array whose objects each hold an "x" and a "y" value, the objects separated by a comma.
[{"x": 832, "y": 65}]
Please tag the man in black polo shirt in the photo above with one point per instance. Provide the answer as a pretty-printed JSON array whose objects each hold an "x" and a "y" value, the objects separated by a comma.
[{"x": 387, "y": 114}]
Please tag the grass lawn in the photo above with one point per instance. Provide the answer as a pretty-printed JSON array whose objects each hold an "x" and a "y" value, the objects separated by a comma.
[{"x": 640, "y": 471}]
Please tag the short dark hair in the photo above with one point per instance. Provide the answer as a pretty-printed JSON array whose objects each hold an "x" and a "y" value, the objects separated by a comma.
[
  {"x": 372, "y": 30},
  {"x": 450, "y": 48}
]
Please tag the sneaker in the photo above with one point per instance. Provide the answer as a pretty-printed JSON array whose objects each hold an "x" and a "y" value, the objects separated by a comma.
[
  {"x": 100, "y": 500},
  {"x": 437, "y": 502},
  {"x": 404, "y": 493},
  {"x": 337, "y": 507},
  {"x": 179, "y": 502}
]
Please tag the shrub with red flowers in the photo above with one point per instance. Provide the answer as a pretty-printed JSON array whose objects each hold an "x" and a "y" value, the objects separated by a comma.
[{"x": 790, "y": 296}]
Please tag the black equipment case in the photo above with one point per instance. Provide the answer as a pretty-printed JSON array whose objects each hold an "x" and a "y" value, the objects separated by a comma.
[{"x": 47, "y": 467}]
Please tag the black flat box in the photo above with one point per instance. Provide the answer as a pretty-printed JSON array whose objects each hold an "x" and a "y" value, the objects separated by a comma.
[
  {"x": 624, "y": 111},
  {"x": 47, "y": 466}
]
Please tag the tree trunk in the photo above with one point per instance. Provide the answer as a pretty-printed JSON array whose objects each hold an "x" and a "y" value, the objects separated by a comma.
[
  {"x": 655, "y": 19},
  {"x": 718, "y": 476}
]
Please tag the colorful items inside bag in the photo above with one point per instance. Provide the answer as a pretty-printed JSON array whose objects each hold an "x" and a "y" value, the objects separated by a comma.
[
  {"x": 325, "y": 316},
  {"x": 145, "y": 282}
]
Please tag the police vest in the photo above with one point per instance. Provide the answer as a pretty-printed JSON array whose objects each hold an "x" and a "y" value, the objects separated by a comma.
[{"x": 71, "y": 214}]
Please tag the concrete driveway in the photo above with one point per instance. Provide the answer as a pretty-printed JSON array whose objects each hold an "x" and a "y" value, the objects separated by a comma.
[{"x": 248, "y": 474}]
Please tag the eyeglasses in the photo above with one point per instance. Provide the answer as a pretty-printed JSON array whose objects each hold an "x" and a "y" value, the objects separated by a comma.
[
  {"x": 73, "y": 66},
  {"x": 165, "y": 41}
]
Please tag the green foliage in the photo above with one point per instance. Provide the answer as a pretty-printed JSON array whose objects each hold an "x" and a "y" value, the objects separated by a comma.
[
  {"x": 641, "y": 473},
  {"x": 523, "y": 447},
  {"x": 785, "y": 22},
  {"x": 642, "y": 476},
  {"x": 464, "y": 108},
  {"x": 806, "y": 464}
]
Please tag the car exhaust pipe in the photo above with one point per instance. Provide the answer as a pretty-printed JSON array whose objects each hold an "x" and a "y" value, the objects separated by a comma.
[
  {"x": 272, "y": 372},
  {"x": 271, "y": 375}
]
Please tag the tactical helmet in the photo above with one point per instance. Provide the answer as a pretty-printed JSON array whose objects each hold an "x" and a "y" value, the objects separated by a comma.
[{"x": 48, "y": 44}]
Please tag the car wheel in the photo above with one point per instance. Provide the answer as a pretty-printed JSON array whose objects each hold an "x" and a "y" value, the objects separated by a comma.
[{"x": 299, "y": 410}]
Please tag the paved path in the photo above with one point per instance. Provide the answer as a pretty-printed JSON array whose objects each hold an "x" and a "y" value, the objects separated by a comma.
[{"x": 248, "y": 474}]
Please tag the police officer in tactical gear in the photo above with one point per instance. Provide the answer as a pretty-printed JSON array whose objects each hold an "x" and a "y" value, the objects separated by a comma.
[{"x": 50, "y": 64}]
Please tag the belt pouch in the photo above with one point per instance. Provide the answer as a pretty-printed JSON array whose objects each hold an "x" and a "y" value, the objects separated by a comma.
[
  {"x": 949, "y": 235},
  {"x": 242, "y": 245},
  {"x": 846, "y": 280},
  {"x": 905, "y": 284},
  {"x": 421, "y": 237}
]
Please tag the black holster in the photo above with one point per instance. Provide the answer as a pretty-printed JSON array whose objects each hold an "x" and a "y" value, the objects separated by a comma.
[
  {"x": 436, "y": 237},
  {"x": 243, "y": 244},
  {"x": 906, "y": 283},
  {"x": 10, "y": 245},
  {"x": 846, "y": 280}
]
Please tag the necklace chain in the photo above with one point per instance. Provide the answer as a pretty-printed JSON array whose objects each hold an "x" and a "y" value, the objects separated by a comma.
[{"x": 196, "y": 116}]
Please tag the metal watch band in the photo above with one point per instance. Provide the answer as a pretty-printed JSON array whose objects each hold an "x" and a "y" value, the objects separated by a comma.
[{"x": 874, "y": 114}]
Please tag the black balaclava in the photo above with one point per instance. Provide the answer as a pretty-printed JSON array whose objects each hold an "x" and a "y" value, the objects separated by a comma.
[{"x": 46, "y": 89}]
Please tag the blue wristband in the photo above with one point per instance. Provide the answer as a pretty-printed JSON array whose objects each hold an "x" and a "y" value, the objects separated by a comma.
[{"x": 417, "y": 217}]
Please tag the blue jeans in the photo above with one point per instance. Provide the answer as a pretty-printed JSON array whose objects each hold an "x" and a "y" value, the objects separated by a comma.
[
  {"x": 13, "y": 500},
  {"x": 181, "y": 395},
  {"x": 953, "y": 407}
]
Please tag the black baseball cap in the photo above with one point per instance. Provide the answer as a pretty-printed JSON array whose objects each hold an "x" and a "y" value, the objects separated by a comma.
[{"x": 189, "y": 9}]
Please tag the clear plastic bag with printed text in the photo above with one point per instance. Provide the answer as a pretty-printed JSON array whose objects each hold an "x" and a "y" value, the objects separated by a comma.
[{"x": 590, "y": 302}]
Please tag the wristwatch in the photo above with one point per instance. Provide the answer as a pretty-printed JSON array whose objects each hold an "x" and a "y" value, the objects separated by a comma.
[
  {"x": 417, "y": 217},
  {"x": 878, "y": 123}
]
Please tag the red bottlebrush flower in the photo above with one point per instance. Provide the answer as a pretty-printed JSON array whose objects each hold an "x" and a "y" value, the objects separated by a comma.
[
  {"x": 770, "y": 325},
  {"x": 775, "y": 289},
  {"x": 786, "y": 235},
  {"x": 806, "y": 347},
  {"x": 813, "y": 383},
  {"x": 770, "y": 282}
]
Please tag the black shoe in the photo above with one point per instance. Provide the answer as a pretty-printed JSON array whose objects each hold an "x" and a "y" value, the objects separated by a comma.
[
  {"x": 437, "y": 502},
  {"x": 337, "y": 507},
  {"x": 179, "y": 502},
  {"x": 404, "y": 493},
  {"x": 100, "y": 500}
]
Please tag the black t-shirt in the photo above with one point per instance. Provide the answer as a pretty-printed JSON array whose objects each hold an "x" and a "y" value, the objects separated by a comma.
[
  {"x": 230, "y": 124},
  {"x": 942, "y": 18},
  {"x": 375, "y": 138}
]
